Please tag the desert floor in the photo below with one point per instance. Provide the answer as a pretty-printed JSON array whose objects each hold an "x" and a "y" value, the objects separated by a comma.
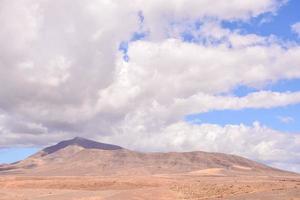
[{"x": 164, "y": 187}]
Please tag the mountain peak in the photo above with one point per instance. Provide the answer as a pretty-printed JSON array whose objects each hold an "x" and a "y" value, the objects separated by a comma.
[
  {"x": 78, "y": 139},
  {"x": 82, "y": 142}
]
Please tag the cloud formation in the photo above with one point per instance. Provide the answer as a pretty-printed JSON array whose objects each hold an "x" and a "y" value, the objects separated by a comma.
[{"x": 65, "y": 76}]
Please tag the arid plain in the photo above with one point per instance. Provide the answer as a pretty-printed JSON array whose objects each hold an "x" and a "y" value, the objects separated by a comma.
[{"x": 184, "y": 186}]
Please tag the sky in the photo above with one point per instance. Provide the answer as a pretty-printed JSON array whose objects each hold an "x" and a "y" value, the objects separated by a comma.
[{"x": 178, "y": 75}]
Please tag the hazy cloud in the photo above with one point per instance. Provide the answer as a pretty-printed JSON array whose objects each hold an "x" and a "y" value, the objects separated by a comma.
[
  {"x": 296, "y": 28},
  {"x": 286, "y": 119}
]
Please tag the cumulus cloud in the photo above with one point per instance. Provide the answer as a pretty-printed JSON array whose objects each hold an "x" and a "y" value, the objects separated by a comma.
[{"x": 65, "y": 76}]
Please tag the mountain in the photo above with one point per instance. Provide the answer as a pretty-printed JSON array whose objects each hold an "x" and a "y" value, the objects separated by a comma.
[{"x": 81, "y": 156}]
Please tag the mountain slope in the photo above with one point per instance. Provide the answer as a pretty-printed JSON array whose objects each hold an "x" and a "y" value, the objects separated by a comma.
[{"x": 80, "y": 156}]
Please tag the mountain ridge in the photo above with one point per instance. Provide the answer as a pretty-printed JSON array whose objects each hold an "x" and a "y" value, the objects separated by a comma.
[{"x": 80, "y": 156}]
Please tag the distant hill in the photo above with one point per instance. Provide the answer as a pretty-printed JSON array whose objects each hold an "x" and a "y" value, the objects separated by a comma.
[{"x": 81, "y": 156}]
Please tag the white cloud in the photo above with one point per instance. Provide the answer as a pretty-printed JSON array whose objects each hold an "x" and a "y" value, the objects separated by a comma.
[
  {"x": 186, "y": 68},
  {"x": 286, "y": 119},
  {"x": 296, "y": 28},
  {"x": 263, "y": 99},
  {"x": 53, "y": 73},
  {"x": 203, "y": 8},
  {"x": 174, "y": 78}
]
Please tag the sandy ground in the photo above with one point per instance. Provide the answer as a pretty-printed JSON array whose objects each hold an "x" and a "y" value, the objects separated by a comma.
[{"x": 160, "y": 187}]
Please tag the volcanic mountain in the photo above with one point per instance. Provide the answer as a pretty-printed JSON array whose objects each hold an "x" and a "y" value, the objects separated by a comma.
[{"x": 81, "y": 156}]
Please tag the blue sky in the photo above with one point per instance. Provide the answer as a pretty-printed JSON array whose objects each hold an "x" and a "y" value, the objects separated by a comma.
[
  {"x": 285, "y": 119},
  {"x": 292, "y": 85},
  {"x": 14, "y": 154}
]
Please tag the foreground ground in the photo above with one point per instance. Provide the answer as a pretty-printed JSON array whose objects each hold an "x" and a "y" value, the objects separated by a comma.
[{"x": 164, "y": 187}]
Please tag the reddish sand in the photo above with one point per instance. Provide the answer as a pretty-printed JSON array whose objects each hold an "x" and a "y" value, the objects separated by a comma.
[{"x": 164, "y": 187}]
